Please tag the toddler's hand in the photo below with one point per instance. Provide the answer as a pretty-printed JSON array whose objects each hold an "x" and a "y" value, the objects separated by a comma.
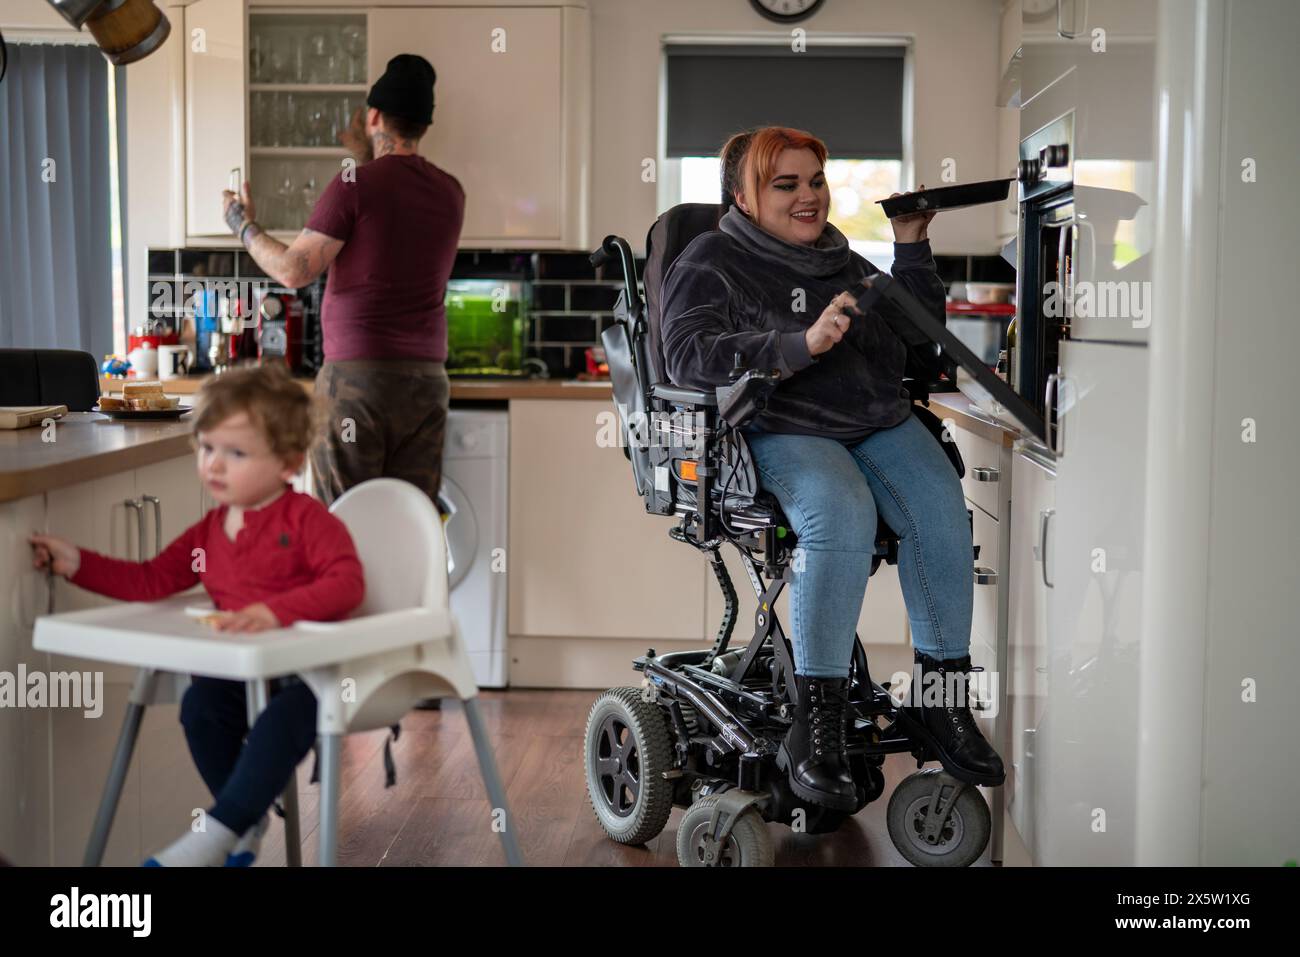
[
  {"x": 255, "y": 617},
  {"x": 50, "y": 551}
]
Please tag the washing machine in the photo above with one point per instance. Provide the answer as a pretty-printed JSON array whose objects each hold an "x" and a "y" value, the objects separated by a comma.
[{"x": 474, "y": 502}]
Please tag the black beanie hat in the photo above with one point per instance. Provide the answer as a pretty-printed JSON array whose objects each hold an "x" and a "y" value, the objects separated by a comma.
[{"x": 405, "y": 89}]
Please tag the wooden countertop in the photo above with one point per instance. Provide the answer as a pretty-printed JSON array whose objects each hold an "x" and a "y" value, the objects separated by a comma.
[
  {"x": 461, "y": 389},
  {"x": 87, "y": 445}
]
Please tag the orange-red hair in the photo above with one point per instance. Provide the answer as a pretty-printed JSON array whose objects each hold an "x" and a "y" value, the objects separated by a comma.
[{"x": 765, "y": 147}]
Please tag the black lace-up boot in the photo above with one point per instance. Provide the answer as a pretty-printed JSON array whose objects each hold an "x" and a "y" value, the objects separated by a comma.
[
  {"x": 812, "y": 753},
  {"x": 939, "y": 713}
]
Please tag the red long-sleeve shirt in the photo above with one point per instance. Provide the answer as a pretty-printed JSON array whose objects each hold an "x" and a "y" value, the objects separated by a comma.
[{"x": 292, "y": 555}]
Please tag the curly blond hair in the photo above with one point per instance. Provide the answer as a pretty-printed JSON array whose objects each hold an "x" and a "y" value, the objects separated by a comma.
[{"x": 276, "y": 404}]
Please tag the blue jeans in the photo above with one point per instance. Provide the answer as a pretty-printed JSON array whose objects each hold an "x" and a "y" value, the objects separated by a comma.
[
  {"x": 246, "y": 776},
  {"x": 832, "y": 494}
]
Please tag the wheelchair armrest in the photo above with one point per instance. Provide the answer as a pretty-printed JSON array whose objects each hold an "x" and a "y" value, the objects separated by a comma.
[{"x": 672, "y": 393}]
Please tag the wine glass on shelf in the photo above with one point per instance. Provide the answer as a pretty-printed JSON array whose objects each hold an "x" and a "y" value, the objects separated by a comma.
[
  {"x": 286, "y": 198},
  {"x": 353, "y": 38}
]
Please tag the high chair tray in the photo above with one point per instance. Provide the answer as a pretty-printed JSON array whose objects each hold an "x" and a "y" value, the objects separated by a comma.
[{"x": 163, "y": 636}]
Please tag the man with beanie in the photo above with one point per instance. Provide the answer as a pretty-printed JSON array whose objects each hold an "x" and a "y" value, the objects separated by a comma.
[{"x": 388, "y": 230}]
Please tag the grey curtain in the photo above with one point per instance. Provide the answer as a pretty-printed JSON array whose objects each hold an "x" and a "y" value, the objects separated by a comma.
[{"x": 56, "y": 287}]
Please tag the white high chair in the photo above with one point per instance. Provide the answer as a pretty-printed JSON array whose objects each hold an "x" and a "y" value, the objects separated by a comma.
[{"x": 400, "y": 647}]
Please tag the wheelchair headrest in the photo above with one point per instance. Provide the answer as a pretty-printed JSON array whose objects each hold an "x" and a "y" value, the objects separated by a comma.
[{"x": 671, "y": 233}]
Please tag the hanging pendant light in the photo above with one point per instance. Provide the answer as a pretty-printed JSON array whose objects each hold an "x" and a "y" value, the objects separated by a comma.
[{"x": 125, "y": 30}]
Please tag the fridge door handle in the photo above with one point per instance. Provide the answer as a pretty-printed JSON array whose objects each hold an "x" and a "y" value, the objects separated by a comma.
[{"x": 1040, "y": 550}]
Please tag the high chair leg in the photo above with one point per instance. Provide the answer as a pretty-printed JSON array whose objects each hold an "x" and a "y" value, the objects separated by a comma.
[
  {"x": 141, "y": 693},
  {"x": 492, "y": 780},
  {"x": 292, "y": 834},
  {"x": 330, "y": 745}
]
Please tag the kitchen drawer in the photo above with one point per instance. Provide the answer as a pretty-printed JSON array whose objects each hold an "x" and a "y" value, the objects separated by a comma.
[
  {"x": 984, "y": 620},
  {"x": 985, "y": 456},
  {"x": 985, "y": 684}
]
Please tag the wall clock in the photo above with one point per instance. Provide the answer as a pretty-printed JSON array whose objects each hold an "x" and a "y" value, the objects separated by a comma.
[{"x": 787, "y": 11}]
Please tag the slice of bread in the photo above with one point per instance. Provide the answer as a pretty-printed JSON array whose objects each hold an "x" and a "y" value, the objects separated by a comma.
[
  {"x": 152, "y": 403},
  {"x": 112, "y": 403},
  {"x": 134, "y": 390}
]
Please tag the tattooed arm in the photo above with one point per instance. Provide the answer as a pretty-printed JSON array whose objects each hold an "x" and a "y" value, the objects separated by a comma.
[{"x": 294, "y": 266}]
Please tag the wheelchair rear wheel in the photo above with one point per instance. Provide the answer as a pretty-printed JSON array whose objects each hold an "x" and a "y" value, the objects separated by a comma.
[
  {"x": 748, "y": 844},
  {"x": 628, "y": 749},
  {"x": 965, "y": 830}
]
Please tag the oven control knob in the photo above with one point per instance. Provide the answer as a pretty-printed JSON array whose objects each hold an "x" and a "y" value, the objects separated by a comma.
[
  {"x": 1030, "y": 171},
  {"x": 1055, "y": 156}
]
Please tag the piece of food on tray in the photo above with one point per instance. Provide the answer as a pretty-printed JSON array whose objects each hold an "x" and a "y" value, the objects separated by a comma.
[{"x": 112, "y": 403}]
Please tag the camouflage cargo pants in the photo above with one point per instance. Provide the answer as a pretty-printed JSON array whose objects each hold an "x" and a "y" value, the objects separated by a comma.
[{"x": 383, "y": 418}]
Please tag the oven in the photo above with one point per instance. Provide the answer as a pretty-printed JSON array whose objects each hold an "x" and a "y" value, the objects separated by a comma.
[{"x": 1044, "y": 266}]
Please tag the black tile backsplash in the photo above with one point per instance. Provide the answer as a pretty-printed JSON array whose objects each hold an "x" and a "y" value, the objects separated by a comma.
[{"x": 570, "y": 303}]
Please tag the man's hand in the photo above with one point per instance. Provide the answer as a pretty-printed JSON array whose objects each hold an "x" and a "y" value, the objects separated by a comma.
[
  {"x": 255, "y": 617},
  {"x": 354, "y": 138},
  {"x": 237, "y": 210},
  {"x": 58, "y": 554},
  {"x": 912, "y": 227}
]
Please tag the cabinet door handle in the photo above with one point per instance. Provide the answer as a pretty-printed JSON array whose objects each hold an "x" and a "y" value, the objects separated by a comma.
[
  {"x": 985, "y": 473},
  {"x": 985, "y": 576},
  {"x": 157, "y": 522},
  {"x": 138, "y": 505},
  {"x": 1073, "y": 32},
  {"x": 1040, "y": 550}
]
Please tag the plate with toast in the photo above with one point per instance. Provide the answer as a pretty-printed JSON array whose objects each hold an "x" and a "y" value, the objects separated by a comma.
[{"x": 142, "y": 400}]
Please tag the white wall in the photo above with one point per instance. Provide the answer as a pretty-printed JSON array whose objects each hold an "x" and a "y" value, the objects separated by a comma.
[
  {"x": 955, "y": 49},
  {"x": 955, "y": 113},
  {"x": 19, "y": 16}
]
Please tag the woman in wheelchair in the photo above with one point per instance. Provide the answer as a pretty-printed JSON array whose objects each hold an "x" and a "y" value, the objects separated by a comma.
[{"x": 837, "y": 445}]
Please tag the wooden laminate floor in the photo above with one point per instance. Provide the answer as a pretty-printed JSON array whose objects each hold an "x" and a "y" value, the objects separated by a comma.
[{"x": 438, "y": 814}]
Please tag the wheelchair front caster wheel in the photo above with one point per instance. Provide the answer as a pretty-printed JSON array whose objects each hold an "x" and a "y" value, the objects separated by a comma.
[
  {"x": 628, "y": 749},
  {"x": 958, "y": 839},
  {"x": 748, "y": 844}
]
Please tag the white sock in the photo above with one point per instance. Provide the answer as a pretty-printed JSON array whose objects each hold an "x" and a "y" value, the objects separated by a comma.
[
  {"x": 249, "y": 844},
  {"x": 206, "y": 848}
]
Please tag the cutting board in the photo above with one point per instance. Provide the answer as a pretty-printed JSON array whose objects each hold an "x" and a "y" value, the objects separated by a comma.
[{"x": 22, "y": 416}]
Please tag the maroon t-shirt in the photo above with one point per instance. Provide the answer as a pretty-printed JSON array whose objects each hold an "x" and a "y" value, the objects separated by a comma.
[{"x": 400, "y": 223}]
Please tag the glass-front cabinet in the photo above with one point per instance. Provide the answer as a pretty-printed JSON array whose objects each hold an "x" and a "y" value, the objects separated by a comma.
[
  {"x": 268, "y": 90},
  {"x": 306, "y": 77}
]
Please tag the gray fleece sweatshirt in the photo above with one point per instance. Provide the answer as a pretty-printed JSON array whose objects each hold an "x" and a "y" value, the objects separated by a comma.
[{"x": 740, "y": 289}]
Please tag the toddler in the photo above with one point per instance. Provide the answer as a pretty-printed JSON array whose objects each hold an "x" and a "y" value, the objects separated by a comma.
[{"x": 268, "y": 556}]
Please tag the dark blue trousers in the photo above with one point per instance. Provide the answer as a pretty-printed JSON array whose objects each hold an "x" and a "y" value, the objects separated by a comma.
[{"x": 246, "y": 776}]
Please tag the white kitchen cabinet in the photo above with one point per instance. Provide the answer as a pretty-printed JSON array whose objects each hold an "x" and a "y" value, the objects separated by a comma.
[
  {"x": 1087, "y": 744},
  {"x": 95, "y": 515},
  {"x": 216, "y": 119},
  {"x": 511, "y": 117},
  {"x": 1030, "y": 572},
  {"x": 24, "y": 732},
  {"x": 585, "y": 559}
]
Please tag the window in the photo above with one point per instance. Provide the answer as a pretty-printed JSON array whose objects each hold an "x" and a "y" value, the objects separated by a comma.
[
  {"x": 855, "y": 186},
  {"x": 715, "y": 89}
]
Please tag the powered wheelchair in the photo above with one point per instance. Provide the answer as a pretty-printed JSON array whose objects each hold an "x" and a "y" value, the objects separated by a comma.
[{"x": 703, "y": 729}]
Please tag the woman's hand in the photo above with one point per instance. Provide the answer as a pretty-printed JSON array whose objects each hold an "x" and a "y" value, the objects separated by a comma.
[
  {"x": 257, "y": 617},
  {"x": 912, "y": 227},
  {"x": 57, "y": 554},
  {"x": 831, "y": 325}
]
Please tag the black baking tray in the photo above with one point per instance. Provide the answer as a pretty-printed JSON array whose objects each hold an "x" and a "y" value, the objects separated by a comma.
[{"x": 948, "y": 197}]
